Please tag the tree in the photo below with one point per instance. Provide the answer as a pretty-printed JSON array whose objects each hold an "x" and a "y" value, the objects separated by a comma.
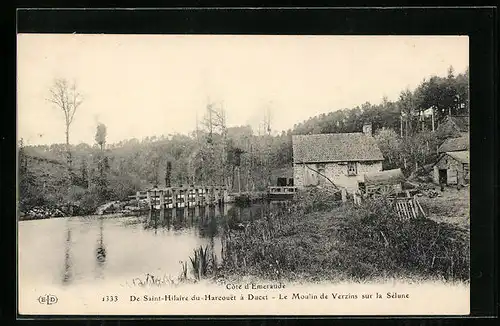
[
  {"x": 390, "y": 145},
  {"x": 66, "y": 97},
  {"x": 446, "y": 96},
  {"x": 100, "y": 135},
  {"x": 103, "y": 166},
  {"x": 408, "y": 111},
  {"x": 213, "y": 151},
  {"x": 84, "y": 175}
]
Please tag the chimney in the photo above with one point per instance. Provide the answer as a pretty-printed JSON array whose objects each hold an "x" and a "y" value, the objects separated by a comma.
[{"x": 367, "y": 129}]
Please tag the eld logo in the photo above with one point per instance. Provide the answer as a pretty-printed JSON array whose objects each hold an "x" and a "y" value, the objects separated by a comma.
[{"x": 47, "y": 299}]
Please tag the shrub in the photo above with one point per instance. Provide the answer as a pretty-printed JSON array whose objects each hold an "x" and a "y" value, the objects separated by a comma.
[{"x": 313, "y": 199}]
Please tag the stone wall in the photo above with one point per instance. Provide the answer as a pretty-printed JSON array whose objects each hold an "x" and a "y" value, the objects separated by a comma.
[
  {"x": 454, "y": 171},
  {"x": 337, "y": 172}
]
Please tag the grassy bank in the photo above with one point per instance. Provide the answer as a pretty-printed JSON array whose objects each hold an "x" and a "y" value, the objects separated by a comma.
[
  {"x": 317, "y": 239},
  {"x": 452, "y": 206}
]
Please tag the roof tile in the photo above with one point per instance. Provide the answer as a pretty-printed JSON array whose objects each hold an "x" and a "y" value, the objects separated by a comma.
[
  {"x": 455, "y": 144},
  {"x": 339, "y": 147}
]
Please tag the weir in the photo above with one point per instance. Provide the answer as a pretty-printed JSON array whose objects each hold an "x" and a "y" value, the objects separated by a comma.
[{"x": 184, "y": 197}]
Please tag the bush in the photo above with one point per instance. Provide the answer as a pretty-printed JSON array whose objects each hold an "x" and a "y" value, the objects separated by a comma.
[
  {"x": 313, "y": 199},
  {"x": 123, "y": 186}
]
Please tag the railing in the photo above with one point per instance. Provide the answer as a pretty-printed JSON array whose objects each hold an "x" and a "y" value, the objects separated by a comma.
[{"x": 282, "y": 190}]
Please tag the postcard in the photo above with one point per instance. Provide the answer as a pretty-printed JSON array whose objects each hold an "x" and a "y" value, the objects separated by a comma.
[{"x": 243, "y": 175}]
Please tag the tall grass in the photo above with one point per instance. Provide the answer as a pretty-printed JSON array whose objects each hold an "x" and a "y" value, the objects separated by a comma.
[
  {"x": 332, "y": 241},
  {"x": 203, "y": 262}
]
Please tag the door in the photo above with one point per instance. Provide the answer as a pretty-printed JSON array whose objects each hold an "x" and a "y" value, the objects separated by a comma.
[{"x": 443, "y": 176}]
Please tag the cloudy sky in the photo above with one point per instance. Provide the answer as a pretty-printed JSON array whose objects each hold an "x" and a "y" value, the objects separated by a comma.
[{"x": 142, "y": 85}]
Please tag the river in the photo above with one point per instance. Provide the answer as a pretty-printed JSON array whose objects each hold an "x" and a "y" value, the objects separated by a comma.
[{"x": 66, "y": 252}]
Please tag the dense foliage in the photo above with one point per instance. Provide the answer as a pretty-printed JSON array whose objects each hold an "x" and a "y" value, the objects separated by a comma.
[{"x": 217, "y": 154}]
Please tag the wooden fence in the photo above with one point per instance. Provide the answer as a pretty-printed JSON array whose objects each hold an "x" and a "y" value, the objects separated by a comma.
[{"x": 408, "y": 208}]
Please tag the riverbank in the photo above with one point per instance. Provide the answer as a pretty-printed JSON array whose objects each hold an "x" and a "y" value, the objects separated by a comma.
[
  {"x": 347, "y": 243},
  {"x": 111, "y": 207}
]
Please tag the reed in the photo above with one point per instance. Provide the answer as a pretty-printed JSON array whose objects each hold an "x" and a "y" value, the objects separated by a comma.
[
  {"x": 202, "y": 261},
  {"x": 184, "y": 272},
  {"x": 154, "y": 280}
]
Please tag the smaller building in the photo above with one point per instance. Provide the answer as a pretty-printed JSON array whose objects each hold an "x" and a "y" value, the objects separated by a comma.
[
  {"x": 458, "y": 144},
  {"x": 388, "y": 182},
  {"x": 452, "y": 168}
]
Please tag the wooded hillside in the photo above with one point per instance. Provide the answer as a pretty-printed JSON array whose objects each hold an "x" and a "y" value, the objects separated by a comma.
[{"x": 216, "y": 154}]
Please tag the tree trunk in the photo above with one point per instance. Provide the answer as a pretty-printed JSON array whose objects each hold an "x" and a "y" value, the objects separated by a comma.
[
  {"x": 239, "y": 180},
  {"x": 89, "y": 176},
  {"x": 231, "y": 186},
  {"x": 433, "y": 119},
  {"x": 68, "y": 152}
]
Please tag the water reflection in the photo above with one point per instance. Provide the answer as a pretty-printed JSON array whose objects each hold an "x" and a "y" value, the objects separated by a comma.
[
  {"x": 153, "y": 243},
  {"x": 209, "y": 220},
  {"x": 100, "y": 250}
]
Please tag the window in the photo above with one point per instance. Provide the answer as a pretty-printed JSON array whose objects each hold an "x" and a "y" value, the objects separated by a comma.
[{"x": 351, "y": 168}]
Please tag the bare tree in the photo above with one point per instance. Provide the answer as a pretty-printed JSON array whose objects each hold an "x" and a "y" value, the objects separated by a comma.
[
  {"x": 215, "y": 122},
  {"x": 65, "y": 96}
]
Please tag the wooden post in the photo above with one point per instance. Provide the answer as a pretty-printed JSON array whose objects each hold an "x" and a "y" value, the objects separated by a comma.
[
  {"x": 207, "y": 196},
  {"x": 344, "y": 195},
  {"x": 197, "y": 197},
  {"x": 162, "y": 214},
  {"x": 217, "y": 210},
  {"x": 162, "y": 200},
  {"x": 149, "y": 198},
  {"x": 138, "y": 198},
  {"x": 168, "y": 197},
  {"x": 174, "y": 198},
  {"x": 182, "y": 194},
  {"x": 216, "y": 196}
]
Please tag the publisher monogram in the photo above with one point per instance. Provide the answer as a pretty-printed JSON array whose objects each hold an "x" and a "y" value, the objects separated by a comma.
[{"x": 47, "y": 299}]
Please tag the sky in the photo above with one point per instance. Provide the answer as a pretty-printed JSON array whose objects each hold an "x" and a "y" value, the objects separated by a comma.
[{"x": 152, "y": 85}]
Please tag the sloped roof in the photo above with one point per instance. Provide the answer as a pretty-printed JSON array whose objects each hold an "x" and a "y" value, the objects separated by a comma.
[
  {"x": 462, "y": 122},
  {"x": 454, "y": 124},
  {"x": 462, "y": 157},
  {"x": 340, "y": 147},
  {"x": 384, "y": 177},
  {"x": 455, "y": 144}
]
